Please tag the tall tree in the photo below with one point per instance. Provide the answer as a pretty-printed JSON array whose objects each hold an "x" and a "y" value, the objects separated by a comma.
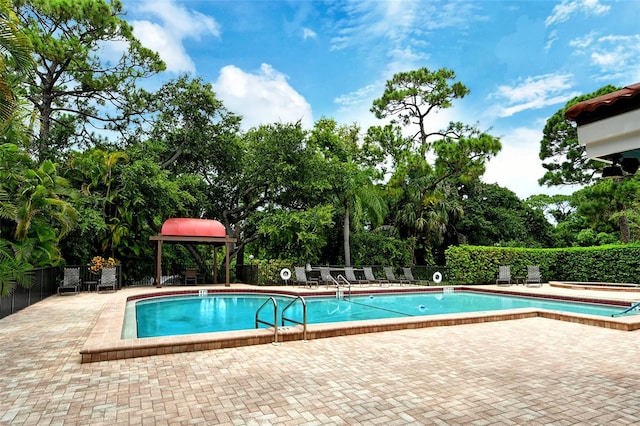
[
  {"x": 496, "y": 216},
  {"x": 77, "y": 85},
  {"x": 610, "y": 201},
  {"x": 409, "y": 97},
  {"x": 351, "y": 176},
  {"x": 278, "y": 172},
  {"x": 429, "y": 166},
  {"x": 562, "y": 156}
]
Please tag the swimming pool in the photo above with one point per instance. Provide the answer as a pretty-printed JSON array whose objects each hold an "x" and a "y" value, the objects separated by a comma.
[{"x": 177, "y": 315}]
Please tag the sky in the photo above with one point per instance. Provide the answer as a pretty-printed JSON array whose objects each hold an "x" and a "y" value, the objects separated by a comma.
[{"x": 283, "y": 61}]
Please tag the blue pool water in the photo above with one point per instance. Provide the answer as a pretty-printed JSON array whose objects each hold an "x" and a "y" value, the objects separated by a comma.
[{"x": 166, "y": 316}]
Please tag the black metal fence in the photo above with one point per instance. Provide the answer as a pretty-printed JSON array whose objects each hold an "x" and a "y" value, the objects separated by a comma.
[{"x": 45, "y": 282}]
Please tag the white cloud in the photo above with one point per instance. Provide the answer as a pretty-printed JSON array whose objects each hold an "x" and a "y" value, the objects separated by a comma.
[
  {"x": 563, "y": 11},
  {"x": 358, "y": 97},
  {"x": 616, "y": 56},
  {"x": 518, "y": 166},
  {"x": 616, "y": 52},
  {"x": 167, "y": 36},
  {"x": 584, "y": 41},
  {"x": 398, "y": 23},
  {"x": 262, "y": 98},
  {"x": 308, "y": 33},
  {"x": 534, "y": 93}
]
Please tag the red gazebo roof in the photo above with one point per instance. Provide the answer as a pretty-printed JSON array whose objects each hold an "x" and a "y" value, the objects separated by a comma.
[{"x": 190, "y": 227}]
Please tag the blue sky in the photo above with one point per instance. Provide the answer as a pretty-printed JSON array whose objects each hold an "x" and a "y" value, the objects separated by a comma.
[{"x": 292, "y": 60}]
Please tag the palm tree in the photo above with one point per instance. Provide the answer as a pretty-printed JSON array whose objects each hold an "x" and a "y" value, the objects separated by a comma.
[
  {"x": 352, "y": 180},
  {"x": 361, "y": 199},
  {"x": 15, "y": 56}
]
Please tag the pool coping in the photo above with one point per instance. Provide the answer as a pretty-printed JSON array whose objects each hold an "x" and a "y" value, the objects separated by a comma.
[{"x": 104, "y": 342}]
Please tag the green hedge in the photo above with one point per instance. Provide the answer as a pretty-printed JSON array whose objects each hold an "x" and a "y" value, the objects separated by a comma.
[
  {"x": 479, "y": 265},
  {"x": 269, "y": 271}
]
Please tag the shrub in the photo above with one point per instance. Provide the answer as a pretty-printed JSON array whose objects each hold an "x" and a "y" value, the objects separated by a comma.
[{"x": 479, "y": 265}]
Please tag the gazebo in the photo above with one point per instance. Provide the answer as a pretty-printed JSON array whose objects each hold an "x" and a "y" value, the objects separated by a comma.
[{"x": 194, "y": 231}]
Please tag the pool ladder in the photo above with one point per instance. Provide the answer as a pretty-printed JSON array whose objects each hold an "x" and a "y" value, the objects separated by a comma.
[
  {"x": 283, "y": 318},
  {"x": 339, "y": 293},
  {"x": 304, "y": 315},
  {"x": 275, "y": 317}
]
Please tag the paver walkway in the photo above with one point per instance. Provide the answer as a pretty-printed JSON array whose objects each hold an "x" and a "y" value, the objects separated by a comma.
[{"x": 533, "y": 371}]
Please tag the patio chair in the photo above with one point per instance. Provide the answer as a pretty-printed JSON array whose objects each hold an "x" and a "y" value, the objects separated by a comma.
[
  {"x": 71, "y": 283},
  {"x": 504, "y": 276},
  {"x": 350, "y": 275},
  {"x": 368, "y": 274},
  {"x": 108, "y": 279},
  {"x": 534, "y": 278},
  {"x": 388, "y": 272},
  {"x": 190, "y": 276},
  {"x": 301, "y": 278},
  {"x": 408, "y": 274}
]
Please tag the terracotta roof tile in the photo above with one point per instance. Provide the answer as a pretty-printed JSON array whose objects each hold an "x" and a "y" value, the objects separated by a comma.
[{"x": 606, "y": 105}]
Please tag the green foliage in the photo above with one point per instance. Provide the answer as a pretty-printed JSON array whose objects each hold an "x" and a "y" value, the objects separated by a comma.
[
  {"x": 431, "y": 166},
  {"x": 13, "y": 272},
  {"x": 15, "y": 58},
  {"x": 375, "y": 248},
  {"x": 297, "y": 236},
  {"x": 269, "y": 270},
  {"x": 73, "y": 86},
  {"x": 410, "y": 96},
  {"x": 565, "y": 160},
  {"x": 479, "y": 265},
  {"x": 351, "y": 178},
  {"x": 495, "y": 215}
]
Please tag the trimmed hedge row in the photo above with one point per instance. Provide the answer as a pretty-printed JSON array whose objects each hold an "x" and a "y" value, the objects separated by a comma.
[{"x": 479, "y": 265}]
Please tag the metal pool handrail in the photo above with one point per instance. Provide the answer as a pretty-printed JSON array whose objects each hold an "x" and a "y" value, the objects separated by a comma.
[
  {"x": 304, "y": 315},
  {"x": 275, "y": 317},
  {"x": 631, "y": 308},
  {"x": 335, "y": 281}
]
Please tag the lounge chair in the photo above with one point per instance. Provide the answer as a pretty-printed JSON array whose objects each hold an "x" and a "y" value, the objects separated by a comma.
[
  {"x": 534, "y": 278},
  {"x": 504, "y": 276},
  {"x": 108, "y": 279},
  {"x": 368, "y": 274},
  {"x": 325, "y": 275},
  {"x": 301, "y": 278},
  {"x": 388, "y": 272},
  {"x": 350, "y": 275},
  {"x": 408, "y": 274},
  {"x": 71, "y": 283}
]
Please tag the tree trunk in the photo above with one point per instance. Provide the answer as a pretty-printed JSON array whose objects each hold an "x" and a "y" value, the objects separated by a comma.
[
  {"x": 345, "y": 233},
  {"x": 625, "y": 233}
]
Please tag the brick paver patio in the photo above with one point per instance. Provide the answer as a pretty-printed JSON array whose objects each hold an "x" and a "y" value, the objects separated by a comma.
[{"x": 533, "y": 371}]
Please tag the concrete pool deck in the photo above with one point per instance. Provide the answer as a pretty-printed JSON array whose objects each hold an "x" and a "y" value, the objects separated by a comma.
[{"x": 534, "y": 370}]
